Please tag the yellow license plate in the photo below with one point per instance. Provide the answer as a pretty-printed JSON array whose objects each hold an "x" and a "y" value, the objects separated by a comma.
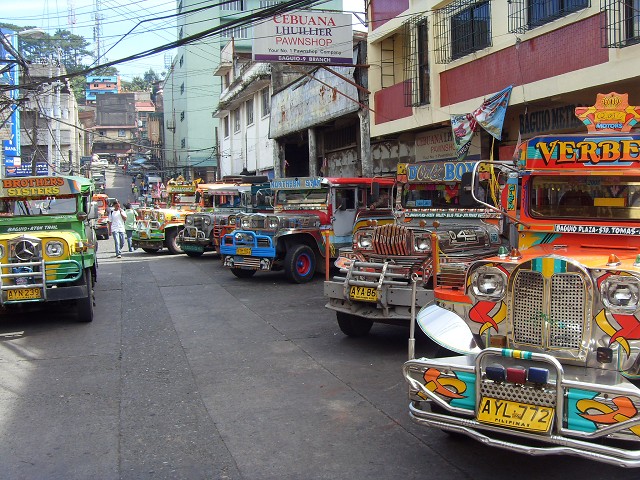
[
  {"x": 243, "y": 251},
  {"x": 364, "y": 294},
  {"x": 23, "y": 294},
  {"x": 521, "y": 416}
]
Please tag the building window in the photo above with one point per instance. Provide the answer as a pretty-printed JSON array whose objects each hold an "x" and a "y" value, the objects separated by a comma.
[
  {"x": 461, "y": 28},
  {"x": 622, "y": 19},
  {"x": 122, "y": 133},
  {"x": 225, "y": 123},
  {"x": 181, "y": 60},
  {"x": 249, "y": 106},
  {"x": 527, "y": 14},
  {"x": 416, "y": 62},
  {"x": 181, "y": 116},
  {"x": 388, "y": 61},
  {"x": 235, "y": 32},
  {"x": 96, "y": 85},
  {"x": 102, "y": 133},
  {"x": 266, "y": 102},
  {"x": 233, "y": 5},
  {"x": 236, "y": 120},
  {"x": 269, "y": 3},
  {"x": 183, "y": 143},
  {"x": 182, "y": 89},
  {"x": 143, "y": 134},
  {"x": 226, "y": 80}
]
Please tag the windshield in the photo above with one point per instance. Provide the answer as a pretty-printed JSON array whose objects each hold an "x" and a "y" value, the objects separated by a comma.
[
  {"x": 36, "y": 207},
  {"x": 182, "y": 199},
  {"x": 585, "y": 197},
  {"x": 304, "y": 196},
  {"x": 430, "y": 195},
  {"x": 227, "y": 201}
]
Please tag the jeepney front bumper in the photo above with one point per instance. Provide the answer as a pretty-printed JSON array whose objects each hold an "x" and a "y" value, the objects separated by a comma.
[
  {"x": 379, "y": 291},
  {"x": 529, "y": 403},
  {"x": 40, "y": 281},
  {"x": 193, "y": 239},
  {"x": 247, "y": 250}
]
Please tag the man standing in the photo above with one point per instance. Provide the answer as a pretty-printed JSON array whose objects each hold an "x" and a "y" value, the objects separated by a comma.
[
  {"x": 117, "y": 217},
  {"x": 129, "y": 224}
]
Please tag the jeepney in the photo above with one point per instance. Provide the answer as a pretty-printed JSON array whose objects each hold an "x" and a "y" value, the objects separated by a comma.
[
  {"x": 376, "y": 273},
  {"x": 47, "y": 243},
  {"x": 203, "y": 230},
  {"x": 313, "y": 217},
  {"x": 157, "y": 228},
  {"x": 102, "y": 225},
  {"x": 548, "y": 332}
]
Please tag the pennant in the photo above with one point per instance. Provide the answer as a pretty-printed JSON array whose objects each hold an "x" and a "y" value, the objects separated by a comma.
[
  {"x": 463, "y": 127},
  {"x": 490, "y": 115}
]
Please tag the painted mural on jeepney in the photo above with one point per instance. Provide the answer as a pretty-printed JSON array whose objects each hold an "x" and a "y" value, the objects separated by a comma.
[{"x": 435, "y": 171}]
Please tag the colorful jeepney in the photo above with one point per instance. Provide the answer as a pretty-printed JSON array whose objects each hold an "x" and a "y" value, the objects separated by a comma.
[
  {"x": 157, "y": 228},
  {"x": 312, "y": 215},
  {"x": 550, "y": 330},
  {"x": 377, "y": 273},
  {"x": 102, "y": 225},
  {"x": 203, "y": 230},
  {"x": 47, "y": 243}
]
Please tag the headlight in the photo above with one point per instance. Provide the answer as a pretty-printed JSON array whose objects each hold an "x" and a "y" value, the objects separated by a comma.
[
  {"x": 54, "y": 249},
  {"x": 621, "y": 293},
  {"x": 189, "y": 220},
  {"x": 207, "y": 220},
  {"x": 423, "y": 244},
  {"x": 365, "y": 241},
  {"x": 232, "y": 219},
  {"x": 488, "y": 282},
  {"x": 245, "y": 223},
  {"x": 272, "y": 223}
]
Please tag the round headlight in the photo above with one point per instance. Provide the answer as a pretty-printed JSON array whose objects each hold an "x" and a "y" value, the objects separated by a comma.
[
  {"x": 272, "y": 223},
  {"x": 621, "y": 293},
  {"x": 423, "y": 244},
  {"x": 488, "y": 282},
  {"x": 365, "y": 241},
  {"x": 54, "y": 249},
  {"x": 207, "y": 220},
  {"x": 245, "y": 222},
  {"x": 232, "y": 219},
  {"x": 189, "y": 220}
]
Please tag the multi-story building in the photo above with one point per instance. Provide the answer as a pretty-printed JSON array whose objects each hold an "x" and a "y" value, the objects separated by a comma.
[
  {"x": 432, "y": 59},
  {"x": 191, "y": 92},
  {"x": 50, "y": 133},
  {"x": 116, "y": 128},
  {"x": 99, "y": 85}
]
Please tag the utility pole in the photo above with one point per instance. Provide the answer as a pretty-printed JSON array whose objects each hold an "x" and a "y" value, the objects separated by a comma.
[{"x": 57, "y": 113}]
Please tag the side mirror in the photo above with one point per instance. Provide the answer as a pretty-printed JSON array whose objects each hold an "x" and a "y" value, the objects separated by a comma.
[{"x": 93, "y": 211}]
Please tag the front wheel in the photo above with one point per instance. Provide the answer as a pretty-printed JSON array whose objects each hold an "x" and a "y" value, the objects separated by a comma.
[
  {"x": 300, "y": 264},
  {"x": 172, "y": 242},
  {"x": 85, "y": 305},
  {"x": 194, "y": 254},
  {"x": 352, "y": 325},
  {"x": 241, "y": 273}
]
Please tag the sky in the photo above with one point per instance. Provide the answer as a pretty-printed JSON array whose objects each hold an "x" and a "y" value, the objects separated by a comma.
[{"x": 120, "y": 24}]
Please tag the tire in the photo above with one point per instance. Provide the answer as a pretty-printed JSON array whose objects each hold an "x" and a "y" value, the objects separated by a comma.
[
  {"x": 352, "y": 325},
  {"x": 241, "y": 273},
  {"x": 150, "y": 250},
  {"x": 300, "y": 264},
  {"x": 194, "y": 254},
  {"x": 171, "y": 241},
  {"x": 85, "y": 305}
]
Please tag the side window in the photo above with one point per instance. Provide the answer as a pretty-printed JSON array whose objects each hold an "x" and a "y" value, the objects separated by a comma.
[{"x": 346, "y": 199}]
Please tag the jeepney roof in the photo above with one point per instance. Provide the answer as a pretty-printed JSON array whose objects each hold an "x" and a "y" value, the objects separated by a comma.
[{"x": 228, "y": 188}]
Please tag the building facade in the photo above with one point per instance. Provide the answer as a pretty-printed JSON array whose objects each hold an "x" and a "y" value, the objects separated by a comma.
[
  {"x": 99, "y": 85},
  {"x": 431, "y": 60}
]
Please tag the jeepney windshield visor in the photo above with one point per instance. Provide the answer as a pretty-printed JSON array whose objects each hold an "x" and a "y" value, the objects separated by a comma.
[{"x": 585, "y": 197}]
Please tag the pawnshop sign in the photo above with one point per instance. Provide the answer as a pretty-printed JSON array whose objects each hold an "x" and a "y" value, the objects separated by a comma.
[{"x": 304, "y": 36}]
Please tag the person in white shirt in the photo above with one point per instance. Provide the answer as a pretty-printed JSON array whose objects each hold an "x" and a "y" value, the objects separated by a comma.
[{"x": 117, "y": 217}]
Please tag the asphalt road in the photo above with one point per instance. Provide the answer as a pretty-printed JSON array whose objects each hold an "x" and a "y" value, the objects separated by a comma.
[{"x": 190, "y": 373}]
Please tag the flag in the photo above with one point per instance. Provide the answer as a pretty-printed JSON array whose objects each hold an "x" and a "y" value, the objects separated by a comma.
[
  {"x": 463, "y": 127},
  {"x": 490, "y": 115}
]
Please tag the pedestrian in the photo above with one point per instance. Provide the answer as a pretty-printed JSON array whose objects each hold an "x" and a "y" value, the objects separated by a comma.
[
  {"x": 129, "y": 224},
  {"x": 133, "y": 186},
  {"x": 117, "y": 217},
  {"x": 135, "y": 192}
]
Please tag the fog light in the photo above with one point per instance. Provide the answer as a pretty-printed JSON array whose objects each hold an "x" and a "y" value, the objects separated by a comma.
[
  {"x": 517, "y": 375},
  {"x": 495, "y": 373},
  {"x": 537, "y": 375}
]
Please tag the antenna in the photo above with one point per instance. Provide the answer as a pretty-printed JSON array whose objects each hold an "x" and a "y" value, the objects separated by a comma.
[
  {"x": 97, "y": 31},
  {"x": 71, "y": 14}
]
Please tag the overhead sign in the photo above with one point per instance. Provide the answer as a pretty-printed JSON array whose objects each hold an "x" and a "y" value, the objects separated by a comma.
[
  {"x": 304, "y": 36},
  {"x": 38, "y": 187},
  {"x": 296, "y": 183},
  {"x": 11, "y": 146}
]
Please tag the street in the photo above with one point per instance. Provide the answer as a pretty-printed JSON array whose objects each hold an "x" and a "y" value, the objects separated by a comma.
[{"x": 188, "y": 372}]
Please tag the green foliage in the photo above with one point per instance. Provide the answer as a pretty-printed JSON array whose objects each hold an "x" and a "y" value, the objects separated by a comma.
[{"x": 142, "y": 84}]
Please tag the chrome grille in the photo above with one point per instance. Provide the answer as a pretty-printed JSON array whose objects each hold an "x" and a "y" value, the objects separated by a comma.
[
  {"x": 198, "y": 221},
  {"x": 567, "y": 307},
  {"x": 392, "y": 240},
  {"x": 527, "y": 308},
  {"x": 452, "y": 274}
]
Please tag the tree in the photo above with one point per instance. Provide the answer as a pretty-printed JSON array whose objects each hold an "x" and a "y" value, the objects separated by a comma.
[{"x": 142, "y": 84}]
